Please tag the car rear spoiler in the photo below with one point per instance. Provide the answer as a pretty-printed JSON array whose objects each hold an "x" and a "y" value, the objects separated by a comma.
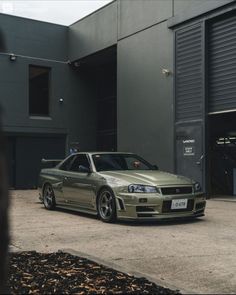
[{"x": 50, "y": 163}]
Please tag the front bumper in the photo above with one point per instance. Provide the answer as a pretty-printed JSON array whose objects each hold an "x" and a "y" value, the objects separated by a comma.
[{"x": 154, "y": 206}]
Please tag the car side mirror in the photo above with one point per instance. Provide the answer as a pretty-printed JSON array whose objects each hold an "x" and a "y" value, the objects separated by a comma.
[
  {"x": 155, "y": 167},
  {"x": 84, "y": 169}
]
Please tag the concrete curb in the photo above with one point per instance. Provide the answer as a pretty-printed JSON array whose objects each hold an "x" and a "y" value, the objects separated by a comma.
[
  {"x": 127, "y": 270},
  {"x": 223, "y": 200}
]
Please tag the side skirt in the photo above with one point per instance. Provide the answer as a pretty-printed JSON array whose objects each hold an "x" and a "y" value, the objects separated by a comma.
[{"x": 82, "y": 210}]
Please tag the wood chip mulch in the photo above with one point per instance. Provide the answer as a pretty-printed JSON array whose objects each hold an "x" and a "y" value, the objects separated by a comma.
[{"x": 62, "y": 273}]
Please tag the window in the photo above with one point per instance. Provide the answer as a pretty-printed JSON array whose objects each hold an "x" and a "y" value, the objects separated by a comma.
[
  {"x": 67, "y": 163},
  {"x": 39, "y": 90},
  {"x": 110, "y": 162},
  {"x": 80, "y": 160}
]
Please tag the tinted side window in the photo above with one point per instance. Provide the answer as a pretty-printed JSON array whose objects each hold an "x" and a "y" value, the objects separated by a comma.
[
  {"x": 80, "y": 160},
  {"x": 66, "y": 165}
]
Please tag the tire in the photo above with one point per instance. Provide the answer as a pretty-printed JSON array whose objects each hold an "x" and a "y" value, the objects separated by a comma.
[
  {"x": 49, "y": 200},
  {"x": 106, "y": 205}
]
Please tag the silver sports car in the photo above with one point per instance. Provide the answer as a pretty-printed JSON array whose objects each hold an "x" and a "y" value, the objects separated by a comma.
[{"x": 119, "y": 185}]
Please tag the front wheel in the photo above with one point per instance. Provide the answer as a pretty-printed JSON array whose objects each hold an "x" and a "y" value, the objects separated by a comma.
[
  {"x": 106, "y": 205},
  {"x": 49, "y": 197}
]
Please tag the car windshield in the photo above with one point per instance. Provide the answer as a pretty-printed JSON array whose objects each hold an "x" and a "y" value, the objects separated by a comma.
[{"x": 114, "y": 162}]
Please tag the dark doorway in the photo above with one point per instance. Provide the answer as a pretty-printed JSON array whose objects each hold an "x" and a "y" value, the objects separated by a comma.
[
  {"x": 101, "y": 70},
  {"x": 25, "y": 154},
  {"x": 106, "y": 108},
  {"x": 222, "y": 154}
]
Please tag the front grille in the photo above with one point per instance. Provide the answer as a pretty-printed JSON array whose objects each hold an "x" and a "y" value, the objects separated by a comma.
[
  {"x": 145, "y": 215},
  {"x": 180, "y": 190},
  {"x": 144, "y": 209},
  {"x": 200, "y": 205},
  {"x": 166, "y": 207}
]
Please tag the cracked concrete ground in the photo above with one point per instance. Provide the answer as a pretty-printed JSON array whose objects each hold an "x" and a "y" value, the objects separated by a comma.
[{"x": 193, "y": 256}]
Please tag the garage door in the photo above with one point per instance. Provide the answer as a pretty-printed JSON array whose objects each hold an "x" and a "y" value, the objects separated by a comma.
[
  {"x": 222, "y": 64},
  {"x": 25, "y": 154}
]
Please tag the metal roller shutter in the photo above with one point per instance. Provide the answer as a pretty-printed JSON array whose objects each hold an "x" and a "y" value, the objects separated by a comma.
[
  {"x": 189, "y": 69},
  {"x": 222, "y": 65}
]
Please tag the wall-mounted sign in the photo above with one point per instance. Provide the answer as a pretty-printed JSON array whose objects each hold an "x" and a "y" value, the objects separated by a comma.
[
  {"x": 189, "y": 147},
  {"x": 188, "y": 141},
  {"x": 189, "y": 151}
]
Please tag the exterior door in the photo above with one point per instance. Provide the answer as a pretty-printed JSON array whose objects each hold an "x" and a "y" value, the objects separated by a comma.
[
  {"x": 77, "y": 185},
  {"x": 190, "y": 158}
]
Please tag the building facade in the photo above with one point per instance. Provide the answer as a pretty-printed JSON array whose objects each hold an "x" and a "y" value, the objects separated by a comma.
[{"x": 153, "y": 77}]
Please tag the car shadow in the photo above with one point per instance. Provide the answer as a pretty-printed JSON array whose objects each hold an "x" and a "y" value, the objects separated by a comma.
[
  {"x": 76, "y": 213},
  {"x": 163, "y": 222}
]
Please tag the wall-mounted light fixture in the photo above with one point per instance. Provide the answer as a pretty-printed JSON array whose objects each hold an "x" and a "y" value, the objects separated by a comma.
[
  {"x": 166, "y": 72},
  {"x": 12, "y": 57},
  {"x": 77, "y": 64},
  {"x": 61, "y": 100}
]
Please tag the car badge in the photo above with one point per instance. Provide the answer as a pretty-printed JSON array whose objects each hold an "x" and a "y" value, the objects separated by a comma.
[{"x": 177, "y": 191}]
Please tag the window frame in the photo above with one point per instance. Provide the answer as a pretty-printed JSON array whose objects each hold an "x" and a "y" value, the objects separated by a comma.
[{"x": 78, "y": 155}]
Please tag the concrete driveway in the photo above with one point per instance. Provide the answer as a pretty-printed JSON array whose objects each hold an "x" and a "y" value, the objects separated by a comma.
[{"x": 192, "y": 256}]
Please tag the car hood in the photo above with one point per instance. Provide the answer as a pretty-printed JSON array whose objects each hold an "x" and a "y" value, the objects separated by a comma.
[{"x": 147, "y": 177}]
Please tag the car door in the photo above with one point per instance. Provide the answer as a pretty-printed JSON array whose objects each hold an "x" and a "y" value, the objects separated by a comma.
[
  {"x": 58, "y": 178},
  {"x": 77, "y": 183}
]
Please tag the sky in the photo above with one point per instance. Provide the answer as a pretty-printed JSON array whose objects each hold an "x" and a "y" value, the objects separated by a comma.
[{"x": 59, "y": 12}]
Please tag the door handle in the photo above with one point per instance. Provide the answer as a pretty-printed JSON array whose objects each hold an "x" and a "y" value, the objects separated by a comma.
[{"x": 200, "y": 160}]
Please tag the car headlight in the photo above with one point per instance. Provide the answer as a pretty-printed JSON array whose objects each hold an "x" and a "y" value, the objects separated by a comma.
[
  {"x": 139, "y": 188},
  {"x": 197, "y": 187}
]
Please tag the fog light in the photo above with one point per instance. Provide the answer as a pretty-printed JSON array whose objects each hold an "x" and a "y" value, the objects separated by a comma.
[{"x": 143, "y": 200}]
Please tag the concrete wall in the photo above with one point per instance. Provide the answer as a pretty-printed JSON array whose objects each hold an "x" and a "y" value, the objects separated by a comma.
[
  {"x": 43, "y": 44},
  {"x": 138, "y": 15},
  {"x": 93, "y": 33},
  {"x": 33, "y": 38},
  {"x": 184, "y": 10},
  {"x": 183, "y": 6},
  {"x": 145, "y": 98}
]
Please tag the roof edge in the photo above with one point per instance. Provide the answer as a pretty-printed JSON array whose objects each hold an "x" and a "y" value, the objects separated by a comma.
[{"x": 95, "y": 11}]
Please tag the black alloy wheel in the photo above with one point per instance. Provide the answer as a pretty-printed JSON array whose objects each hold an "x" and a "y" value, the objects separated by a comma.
[
  {"x": 106, "y": 205},
  {"x": 49, "y": 200}
]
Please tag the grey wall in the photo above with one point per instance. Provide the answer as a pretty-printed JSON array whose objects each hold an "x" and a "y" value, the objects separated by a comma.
[
  {"x": 34, "y": 38},
  {"x": 81, "y": 110},
  {"x": 38, "y": 42},
  {"x": 145, "y": 99},
  {"x": 35, "y": 41},
  {"x": 93, "y": 33},
  {"x": 183, "y": 6},
  {"x": 184, "y": 10},
  {"x": 14, "y": 94},
  {"x": 139, "y": 14}
]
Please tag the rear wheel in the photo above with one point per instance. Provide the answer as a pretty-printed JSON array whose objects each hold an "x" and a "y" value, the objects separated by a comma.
[
  {"x": 49, "y": 197},
  {"x": 106, "y": 205}
]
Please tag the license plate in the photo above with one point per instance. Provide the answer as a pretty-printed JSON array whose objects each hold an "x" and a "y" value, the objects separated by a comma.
[{"x": 179, "y": 204}]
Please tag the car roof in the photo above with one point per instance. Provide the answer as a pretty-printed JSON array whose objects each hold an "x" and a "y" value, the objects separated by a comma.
[{"x": 95, "y": 153}]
